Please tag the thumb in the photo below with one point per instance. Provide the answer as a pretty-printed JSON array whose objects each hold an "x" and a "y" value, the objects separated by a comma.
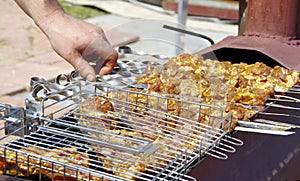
[{"x": 84, "y": 68}]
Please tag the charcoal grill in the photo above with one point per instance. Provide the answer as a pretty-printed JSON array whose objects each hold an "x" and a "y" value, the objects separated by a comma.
[
  {"x": 262, "y": 157},
  {"x": 142, "y": 140},
  {"x": 269, "y": 34},
  {"x": 53, "y": 122}
]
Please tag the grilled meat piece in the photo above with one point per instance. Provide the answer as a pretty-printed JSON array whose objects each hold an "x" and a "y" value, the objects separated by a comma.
[
  {"x": 32, "y": 161},
  {"x": 97, "y": 104},
  {"x": 149, "y": 119},
  {"x": 220, "y": 82}
]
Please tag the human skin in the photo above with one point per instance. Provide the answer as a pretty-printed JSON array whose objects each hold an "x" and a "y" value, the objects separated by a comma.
[{"x": 73, "y": 39}]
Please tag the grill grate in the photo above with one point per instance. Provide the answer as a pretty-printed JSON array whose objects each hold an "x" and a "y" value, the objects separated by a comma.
[{"x": 146, "y": 137}]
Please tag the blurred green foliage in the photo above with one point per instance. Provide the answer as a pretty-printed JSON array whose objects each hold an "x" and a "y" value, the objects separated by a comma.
[{"x": 80, "y": 12}]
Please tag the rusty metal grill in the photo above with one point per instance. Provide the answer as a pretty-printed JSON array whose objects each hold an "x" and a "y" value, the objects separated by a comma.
[{"x": 147, "y": 137}]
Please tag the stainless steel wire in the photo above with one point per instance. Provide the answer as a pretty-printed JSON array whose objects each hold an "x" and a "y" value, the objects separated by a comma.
[{"x": 111, "y": 146}]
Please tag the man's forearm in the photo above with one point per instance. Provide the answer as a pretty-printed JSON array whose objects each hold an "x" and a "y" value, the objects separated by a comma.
[{"x": 39, "y": 10}]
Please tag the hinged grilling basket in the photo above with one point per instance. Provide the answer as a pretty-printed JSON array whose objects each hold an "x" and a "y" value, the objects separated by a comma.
[{"x": 133, "y": 135}]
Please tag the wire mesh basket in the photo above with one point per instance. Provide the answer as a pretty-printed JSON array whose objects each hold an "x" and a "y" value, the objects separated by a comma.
[{"x": 139, "y": 136}]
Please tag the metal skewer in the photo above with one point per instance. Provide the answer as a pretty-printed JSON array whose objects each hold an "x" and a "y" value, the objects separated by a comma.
[
  {"x": 276, "y": 123},
  {"x": 264, "y": 131},
  {"x": 258, "y": 125}
]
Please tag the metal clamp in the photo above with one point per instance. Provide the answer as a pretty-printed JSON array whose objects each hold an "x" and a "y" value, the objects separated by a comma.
[
  {"x": 14, "y": 118},
  {"x": 42, "y": 89},
  {"x": 64, "y": 79}
]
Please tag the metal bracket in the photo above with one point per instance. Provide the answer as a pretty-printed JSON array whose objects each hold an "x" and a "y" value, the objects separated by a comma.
[{"x": 14, "y": 118}]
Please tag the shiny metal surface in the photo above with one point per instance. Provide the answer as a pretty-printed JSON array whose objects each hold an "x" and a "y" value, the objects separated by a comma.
[{"x": 60, "y": 125}]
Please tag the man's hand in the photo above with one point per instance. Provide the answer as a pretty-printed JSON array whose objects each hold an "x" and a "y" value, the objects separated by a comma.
[
  {"x": 80, "y": 42},
  {"x": 75, "y": 40}
]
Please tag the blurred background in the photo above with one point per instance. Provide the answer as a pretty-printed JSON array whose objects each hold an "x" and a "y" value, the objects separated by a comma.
[{"x": 25, "y": 51}]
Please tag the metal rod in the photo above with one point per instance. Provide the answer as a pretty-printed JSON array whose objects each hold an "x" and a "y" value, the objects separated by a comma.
[
  {"x": 211, "y": 41},
  {"x": 182, "y": 11}
]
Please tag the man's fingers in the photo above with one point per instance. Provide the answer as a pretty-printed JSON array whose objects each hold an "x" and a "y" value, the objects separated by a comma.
[
  {"x": 101, "y": 54},
  {"x": 84, "y": 68},
  {"x": 109, "y": 65}
]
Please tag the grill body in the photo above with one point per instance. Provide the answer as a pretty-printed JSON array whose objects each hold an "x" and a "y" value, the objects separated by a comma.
[
  {"x": 262, "y": 157},
  {"x": 271, "y": 35}
]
